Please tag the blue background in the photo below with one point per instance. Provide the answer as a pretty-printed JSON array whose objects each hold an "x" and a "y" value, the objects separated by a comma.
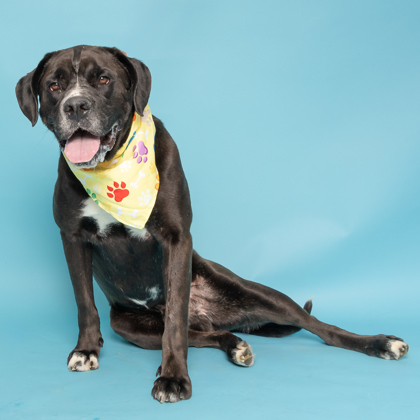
[{"x": 325, "y": 203}]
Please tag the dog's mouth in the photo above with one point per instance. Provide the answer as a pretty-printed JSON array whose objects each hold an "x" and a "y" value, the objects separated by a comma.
[{"x": 85, "y": 150}]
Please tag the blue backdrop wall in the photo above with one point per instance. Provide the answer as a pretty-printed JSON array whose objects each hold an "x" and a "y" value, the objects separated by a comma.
[{"x": 324, "y": 203}]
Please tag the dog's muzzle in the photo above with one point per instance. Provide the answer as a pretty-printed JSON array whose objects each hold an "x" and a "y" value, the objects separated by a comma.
[{"x": 86, "y": 150}]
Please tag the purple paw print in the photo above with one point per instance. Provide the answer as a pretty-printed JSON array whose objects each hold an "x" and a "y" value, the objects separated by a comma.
[{"x": 140, "y": 152}]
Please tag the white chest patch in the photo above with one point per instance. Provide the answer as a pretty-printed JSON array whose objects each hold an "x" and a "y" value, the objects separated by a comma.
[
  {"x": 137, "y": 233},
  {"x": 153, "y": 294},
  {"x": 104, "y": 220}
]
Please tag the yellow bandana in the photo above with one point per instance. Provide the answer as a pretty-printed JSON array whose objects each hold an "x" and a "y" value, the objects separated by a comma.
[{"x": 127, "y": 186}]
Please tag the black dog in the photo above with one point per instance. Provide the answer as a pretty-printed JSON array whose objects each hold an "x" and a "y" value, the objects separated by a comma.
[{"x": 185, "y": 300}]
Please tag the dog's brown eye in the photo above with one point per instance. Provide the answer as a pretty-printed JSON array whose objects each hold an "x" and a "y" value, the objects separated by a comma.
[
  {"x": 103, "y": 80},
  {"x": 54, "y": 87}
]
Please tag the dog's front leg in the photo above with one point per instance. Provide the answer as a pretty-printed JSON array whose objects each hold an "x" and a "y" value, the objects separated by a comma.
[
  {"x": 79, "y": 260},
  {"x": 174, "y": 383}
]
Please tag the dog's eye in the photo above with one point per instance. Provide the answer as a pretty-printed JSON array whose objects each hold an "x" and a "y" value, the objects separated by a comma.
[
  {"x": 54, "y": 87},
  {"x": 103, "y": 80}
]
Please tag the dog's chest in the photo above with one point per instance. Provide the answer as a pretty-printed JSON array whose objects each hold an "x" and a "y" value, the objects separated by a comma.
[
  {"x": 105, "y": 222},
  {"x": 127, "y": 262}
]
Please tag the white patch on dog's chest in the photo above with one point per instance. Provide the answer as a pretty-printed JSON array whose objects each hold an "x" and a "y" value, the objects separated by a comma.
[
  {"x": 104, "y": 220},
  {"x": 153, "y": 295}
]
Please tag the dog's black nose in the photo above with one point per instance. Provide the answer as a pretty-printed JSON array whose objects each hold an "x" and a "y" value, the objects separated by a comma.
[{"x": 77, "y": 107}]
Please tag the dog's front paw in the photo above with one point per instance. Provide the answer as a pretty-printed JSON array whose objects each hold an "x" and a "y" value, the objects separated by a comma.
[
  {"x": 171, "y": 389},
  {"x": 81, "y": 361},
  {"x": 242, "y": 354}
]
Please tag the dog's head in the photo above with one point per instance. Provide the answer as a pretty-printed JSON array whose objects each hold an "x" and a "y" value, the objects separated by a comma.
[{"x": 87, "y": 97}]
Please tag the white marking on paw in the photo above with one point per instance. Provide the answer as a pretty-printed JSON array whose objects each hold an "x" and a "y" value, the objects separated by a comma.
[
  {"x": 173, "y": 397},
  {"x": 396, "y": 349},
  {"x": 242, "y": 355},
  {"x": 161, "y": 397},
  {"x": 80, "y": 363}
]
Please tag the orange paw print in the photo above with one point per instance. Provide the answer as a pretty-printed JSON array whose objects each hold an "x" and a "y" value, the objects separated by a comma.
[
  {"x": 158, "y": 182},
  {"x": 118, "y": 194},
  {"x": 152, "y": 167}
]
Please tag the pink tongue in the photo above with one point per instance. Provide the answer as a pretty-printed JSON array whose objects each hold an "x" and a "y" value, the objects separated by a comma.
[{"x": 82, "y": 147}]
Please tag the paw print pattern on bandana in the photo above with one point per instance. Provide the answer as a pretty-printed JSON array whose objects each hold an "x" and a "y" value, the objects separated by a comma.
[
  {"x": 158, "y": 182},
  {"x": 125, "y": 166},
  {"x": 141, "y": 152},
  {"x": 152, "y": 167},
  {"x": 145, "y": 198},
  {"x": 93, "y": 195},
  {"x": 146, "y": 116},
  {"x": 117, "y": 193}
]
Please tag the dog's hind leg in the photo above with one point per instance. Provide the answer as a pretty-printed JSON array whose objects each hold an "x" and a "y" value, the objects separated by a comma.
[
  {"x": 275, "y": 330},
  {"x": 237, "y": 350},
  {"x": 235, "y": 304},
  {"x": 383, "y": 346},
  {"x": 145, "y": 329},
  {"x": 201, "y": 333}
]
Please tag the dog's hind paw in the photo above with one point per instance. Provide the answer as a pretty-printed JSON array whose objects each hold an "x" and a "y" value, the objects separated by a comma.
[
  {"x": 242, "y": 354},
  {"x": 386, "y": 347},
  {"x": 82, "y": 361},
  {"x": 395, "y": 348}
]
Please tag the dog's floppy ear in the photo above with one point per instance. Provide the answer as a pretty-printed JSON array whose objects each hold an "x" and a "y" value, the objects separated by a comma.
[
  {"x": 141, "y": 79},
  {"x": 27, "y": 91}
]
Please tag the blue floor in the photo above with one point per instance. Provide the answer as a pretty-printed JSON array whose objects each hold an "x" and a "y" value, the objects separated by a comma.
[{"x": 296, "y": 377}]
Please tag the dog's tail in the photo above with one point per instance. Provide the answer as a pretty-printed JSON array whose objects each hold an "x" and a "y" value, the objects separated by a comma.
[
  {"x": 308, "y": 306},
  {"x": 275, "y": 330}
]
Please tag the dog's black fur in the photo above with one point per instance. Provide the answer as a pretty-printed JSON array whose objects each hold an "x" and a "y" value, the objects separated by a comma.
[{"x": 195, "y": 302}]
